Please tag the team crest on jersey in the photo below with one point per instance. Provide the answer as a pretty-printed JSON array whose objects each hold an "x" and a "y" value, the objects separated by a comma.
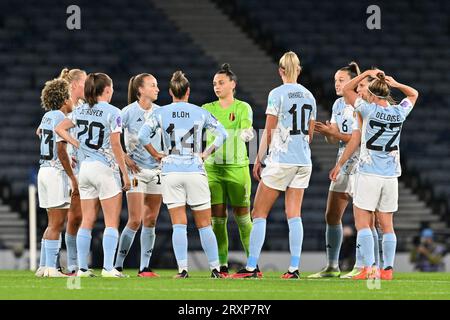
[
  {"x": 119, "y": 121},
  {"x": 232, "y": 116}
]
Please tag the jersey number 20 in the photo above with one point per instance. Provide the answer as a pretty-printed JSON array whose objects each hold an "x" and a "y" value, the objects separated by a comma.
[{"x": 89, "y": 128}]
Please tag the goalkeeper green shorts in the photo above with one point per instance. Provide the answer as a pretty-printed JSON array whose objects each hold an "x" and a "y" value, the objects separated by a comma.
[{"x": 230, "y": 185}]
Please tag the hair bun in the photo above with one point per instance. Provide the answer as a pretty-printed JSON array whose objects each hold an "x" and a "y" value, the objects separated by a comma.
[
  {"x": 64, "y": 73},
  {"x": 177, "y": 75},
  {"x": 380, "y": 75},
  {"x": 225, "y": 67}
]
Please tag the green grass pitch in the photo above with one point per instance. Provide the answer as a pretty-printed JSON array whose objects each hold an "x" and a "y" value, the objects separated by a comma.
[{"x": 24, "y": 285}]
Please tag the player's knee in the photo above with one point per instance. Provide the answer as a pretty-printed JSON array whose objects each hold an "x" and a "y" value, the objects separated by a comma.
[
  {"x": 387, "y": 227},
  {"x": 55, "y": 228},
  {"x": 292, "y": 214},
  {"x": 150, "y": 222},
  {"x": 75, "y": 221},
  {"x": 133, "y": 224},
  {"x": 332, "y": 217},
  {"x": 202, "y": 223}
]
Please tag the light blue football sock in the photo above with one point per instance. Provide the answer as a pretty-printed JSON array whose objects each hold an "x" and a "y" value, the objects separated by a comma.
[
  {"x": 376, "y": 249},
  {"x": 180, "y": 245},
  {"x": 84, "y": 238},
  {"x": 71, "y": 246},
  {"x": 125, "y": 243},
  {"x": 110, "y": 240},
  {"x": 51, "y": 253},
  {"x": 257, "y": 237},
  {"x": 58, "y": 262},
  {"x": 380, "y": 247},
  {"x": 366, "y": 245},
  {"x": 295, "y": 242},
  {"x": 389, "y": 247},
  {"x": 148, "y": 237},
  {"x": 359, "y": 262},
  {"x": 209, "y": 245},
  {"x": 42, "y": 260},
  {"x": 333, "y": 236}
]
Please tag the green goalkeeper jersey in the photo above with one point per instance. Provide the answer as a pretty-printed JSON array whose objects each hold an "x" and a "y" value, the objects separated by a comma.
[{"x": 236, "y": 117}]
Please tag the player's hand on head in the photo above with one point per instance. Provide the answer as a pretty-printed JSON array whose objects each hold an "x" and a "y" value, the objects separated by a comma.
[
  {"x": 391, "y": 81},
  {"x": 373, "y": 73}
]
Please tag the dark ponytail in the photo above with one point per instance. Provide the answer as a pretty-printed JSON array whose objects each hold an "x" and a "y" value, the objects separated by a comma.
[
  {"x": 94, "y": 86},
  {"x": 352, "y": 68},
  {"x": 133, "y": 86}
]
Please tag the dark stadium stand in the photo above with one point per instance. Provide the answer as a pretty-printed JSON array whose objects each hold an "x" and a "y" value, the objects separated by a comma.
[
  {"x": 413, "y": 45},
  {"x": 118, "y": 38},
  {"x": 125, "y": 38}
]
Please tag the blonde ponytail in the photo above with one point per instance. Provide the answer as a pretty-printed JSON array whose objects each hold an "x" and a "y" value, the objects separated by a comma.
[{"x": 290, "y": 64}]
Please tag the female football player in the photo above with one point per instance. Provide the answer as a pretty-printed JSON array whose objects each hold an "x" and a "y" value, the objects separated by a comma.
[
  {"x": 289, "y": 129},
  {"x": 144, "y": 198},
  {"x": 76, "y": 79},
  {"x": 376, "y": 183},
  {"x": 228, "y": 170},
  {"x": 338, "y": 131},
  {"x": 99, "y": 126},
  {"x": 53, "y": 181},
  {"x": 183, "y": 173}
]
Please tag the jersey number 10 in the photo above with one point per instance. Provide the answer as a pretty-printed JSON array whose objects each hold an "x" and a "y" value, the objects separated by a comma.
[{"x": 303, "y": 120}]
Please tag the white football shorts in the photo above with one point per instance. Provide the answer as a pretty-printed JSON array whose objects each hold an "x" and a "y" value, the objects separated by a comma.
[
  {"x": 280, "y": 177},
  {"x": 97, "y": 180},
  {"x": 374, "y": 193},
  {"x": 186, "y": 188},
  {"x": 53, "y": 188}
]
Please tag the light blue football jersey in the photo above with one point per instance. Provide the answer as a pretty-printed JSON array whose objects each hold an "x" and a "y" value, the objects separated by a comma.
[
  {"x": 295, "y": 106},
  {"x": 94, "y": 127},
  {"x": 73, "y": 152},
  {"x": 133, "y": 118},
  {"x": 49, "y": 154},
  {"x": 343, "y": 115},
  {"x": 182, "y": 126},
  {"x": 380, "y": 137}
]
